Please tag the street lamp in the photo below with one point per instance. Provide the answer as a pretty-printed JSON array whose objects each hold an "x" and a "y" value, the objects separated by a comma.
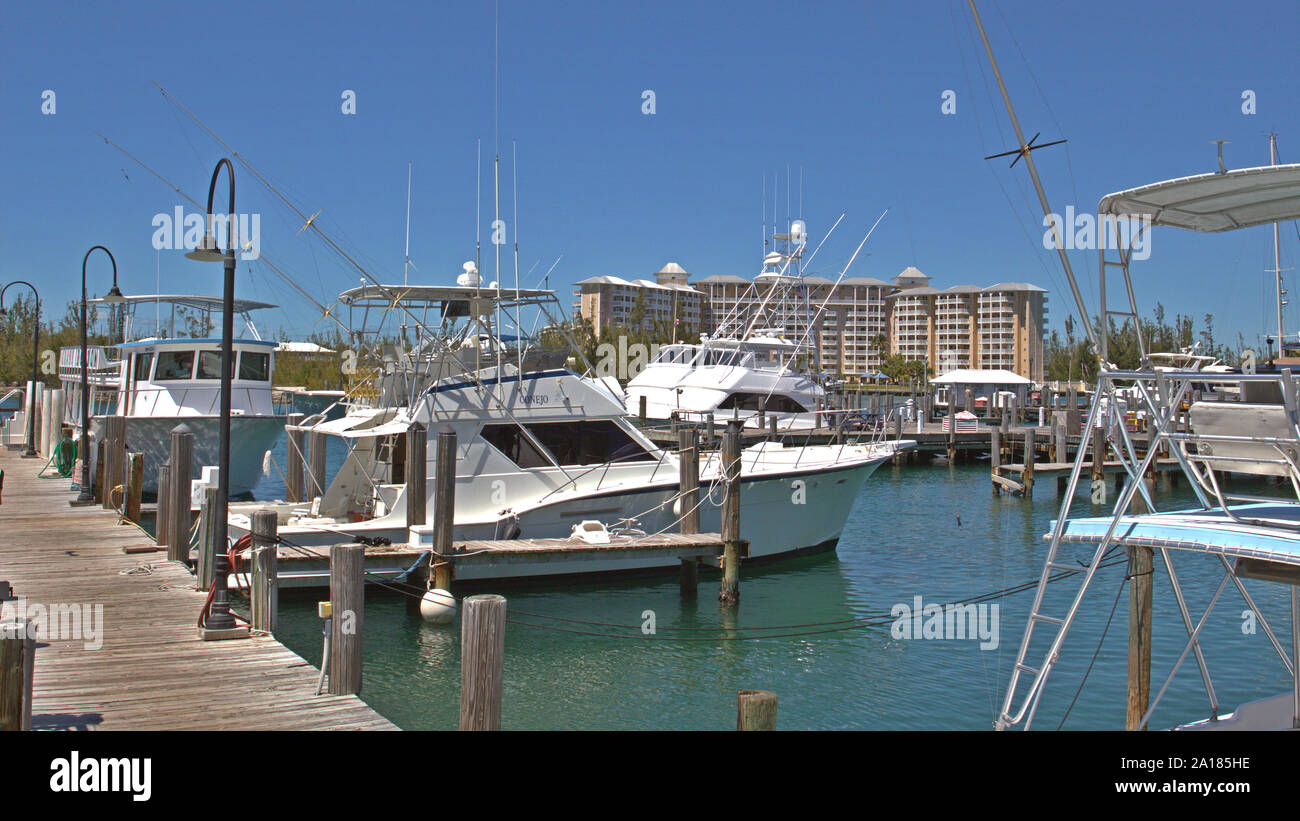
[
  {"x": 30, "y": 450},
  {"x": 86, "y": 496},
  {"x": 219, "y": 617}
]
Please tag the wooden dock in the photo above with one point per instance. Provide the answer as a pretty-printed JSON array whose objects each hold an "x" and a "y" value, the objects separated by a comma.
[
  {"x": 152, "y": 672},
  {"x": 509, "y": 559}
]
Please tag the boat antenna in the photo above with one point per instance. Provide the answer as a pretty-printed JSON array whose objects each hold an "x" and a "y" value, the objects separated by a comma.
[
  {"x": 514, "y": 202},
  {"x": 478, "y": 205},
  {"x": 1277, "y": 257},
  {"x": 406, "y": 263},
  {"x": 1026, "y": 150}
]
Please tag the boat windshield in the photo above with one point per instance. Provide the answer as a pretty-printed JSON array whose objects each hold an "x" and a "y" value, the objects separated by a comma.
[
  {"x": 722, "y": 357},
  {"x": 675, "y": 355}
]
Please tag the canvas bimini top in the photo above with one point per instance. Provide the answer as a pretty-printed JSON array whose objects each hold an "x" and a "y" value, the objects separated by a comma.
[{"x": 1209, "y": 203}]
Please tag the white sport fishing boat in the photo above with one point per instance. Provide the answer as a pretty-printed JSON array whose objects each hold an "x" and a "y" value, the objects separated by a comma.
[
  {"x": 161, "y": 380},
  {"x": 1243, "y": 421},
  {"x": 540, "y": 449},
  {"x": 756, "y": 367}
]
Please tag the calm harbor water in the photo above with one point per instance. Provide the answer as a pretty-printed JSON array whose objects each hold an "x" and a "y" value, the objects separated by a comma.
[{"x": 930, "y": 531}]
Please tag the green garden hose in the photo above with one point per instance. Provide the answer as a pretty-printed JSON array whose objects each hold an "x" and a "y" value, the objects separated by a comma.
[{"x": 63, "y": 459}]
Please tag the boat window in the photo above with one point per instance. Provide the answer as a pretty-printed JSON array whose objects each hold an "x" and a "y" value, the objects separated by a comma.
[
  {"x": 515, "y": 446},
  {"x": 143, "y": 362},
  {"x": 174, "y": 365},
  {"x": 776, "y": 403},
  {"x": 674, "y": 355},
  {"x": 254, "y": 366},
  {"x": 210, "y": 365},
  {"x": 592, "y": 442}
]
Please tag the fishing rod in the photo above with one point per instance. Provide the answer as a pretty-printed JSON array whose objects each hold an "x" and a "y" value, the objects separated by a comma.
[
  {"x": 308, "y": 222},
  {"x": 325, "y": 312}
]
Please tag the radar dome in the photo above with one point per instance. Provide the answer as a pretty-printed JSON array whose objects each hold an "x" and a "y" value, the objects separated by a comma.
[{"x": 469, "y": 279}]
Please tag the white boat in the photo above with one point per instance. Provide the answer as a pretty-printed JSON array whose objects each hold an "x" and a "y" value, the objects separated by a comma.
[
  {"x": 158, "y": 382},
  {"x": 541, "y": 449},
  {"x": 759, "y": 364},
  {"x": 752, "y": 380}
]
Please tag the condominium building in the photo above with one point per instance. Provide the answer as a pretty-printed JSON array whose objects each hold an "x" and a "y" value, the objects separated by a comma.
[
  {"x": 607, "y": 300},
  {"x": 963, "y": 326},
  {"x": 998, "y": 327},
  {"x": 851, "y": 316}
]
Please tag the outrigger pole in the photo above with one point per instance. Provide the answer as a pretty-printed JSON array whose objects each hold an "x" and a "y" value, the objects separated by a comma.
[{"x": 1026, "y": 150}]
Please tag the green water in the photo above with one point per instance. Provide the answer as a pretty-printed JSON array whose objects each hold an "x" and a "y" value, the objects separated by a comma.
[{"x": 931, "y": 531}]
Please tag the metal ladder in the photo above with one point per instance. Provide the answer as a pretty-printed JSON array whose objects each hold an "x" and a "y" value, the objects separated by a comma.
[{"x": 1163, "y": 407}]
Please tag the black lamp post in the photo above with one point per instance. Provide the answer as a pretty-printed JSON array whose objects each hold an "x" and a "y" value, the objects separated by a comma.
[
  {"x": 219, "y": 617},
  {"x": 30, "y": 450},
  {"x": 86, "y": 496}
]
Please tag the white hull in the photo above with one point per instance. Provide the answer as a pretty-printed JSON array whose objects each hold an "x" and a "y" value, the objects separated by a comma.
[
  {"x": 250, "y": 438},
  {"x": 777, "y": 518}
]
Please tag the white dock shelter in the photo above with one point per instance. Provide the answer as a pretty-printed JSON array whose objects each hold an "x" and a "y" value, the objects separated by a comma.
[{"x": 993, "y": 385}]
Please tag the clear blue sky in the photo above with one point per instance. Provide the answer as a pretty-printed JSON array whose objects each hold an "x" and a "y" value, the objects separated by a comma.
[{"x": 848, "y": 92}]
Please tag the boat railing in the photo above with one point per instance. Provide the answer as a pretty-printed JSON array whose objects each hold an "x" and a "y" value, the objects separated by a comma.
[
  {"x": 1207, "y": 439},
  {"x": 101, "y": 364}
]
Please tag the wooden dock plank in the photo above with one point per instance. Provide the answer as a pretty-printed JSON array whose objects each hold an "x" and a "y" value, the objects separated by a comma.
[{"x": 151, "y": 672}]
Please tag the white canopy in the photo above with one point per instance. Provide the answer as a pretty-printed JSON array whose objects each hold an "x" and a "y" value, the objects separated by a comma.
[
  {"x": 968, "y": 376},
  {"x": 1214, "y": 202}
]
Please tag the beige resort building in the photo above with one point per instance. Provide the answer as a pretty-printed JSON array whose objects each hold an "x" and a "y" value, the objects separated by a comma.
[{"x": 964, "y": 326}]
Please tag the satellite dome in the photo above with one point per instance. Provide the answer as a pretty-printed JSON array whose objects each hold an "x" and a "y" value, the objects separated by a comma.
[{"x": 469, "y": 279}]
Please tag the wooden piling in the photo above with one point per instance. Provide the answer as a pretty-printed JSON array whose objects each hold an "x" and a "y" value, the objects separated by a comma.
[
  {"x": 295, "y": 457},
  {"x": 482, "y": 661},
  {"x": 161, "y": 517},
  {"x": 708, "y": 438},
  {"x": 182, "y": 448},
  {"x": 688, "y": 491},
  {"x": 755, "y": 710},
  {"x": 995, "y": 457},
  {"x": 17, "y": 658},
  {"x": 315, "y": 479},
  {"x": 642, "y": 408},
  {"x": 205, "y": 568},
  {"x": 134, "y": 486},
  {"x": 98, "y": 486},
  {"x": 444, "y": 508},
  {"x": 1141, "y": 567},
  {"x": 729, "y": 593},
  {"x": 952, "y": 436},
  {"x": 1061, "y": 441},
  {"x": 114, "y": 459},
  {"x": 265, "y": 594},
  {"x": 347, "y": 604},
  {"x": 1027, "y": 478},
  {"x": 1098, "y": 461},
  {"x": 417, "y": 457}
]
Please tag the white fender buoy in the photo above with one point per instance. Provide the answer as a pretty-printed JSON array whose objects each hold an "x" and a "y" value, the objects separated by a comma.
[
  {"x": 266, "y": 463},
  {"x": 438, "y": 607}
]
